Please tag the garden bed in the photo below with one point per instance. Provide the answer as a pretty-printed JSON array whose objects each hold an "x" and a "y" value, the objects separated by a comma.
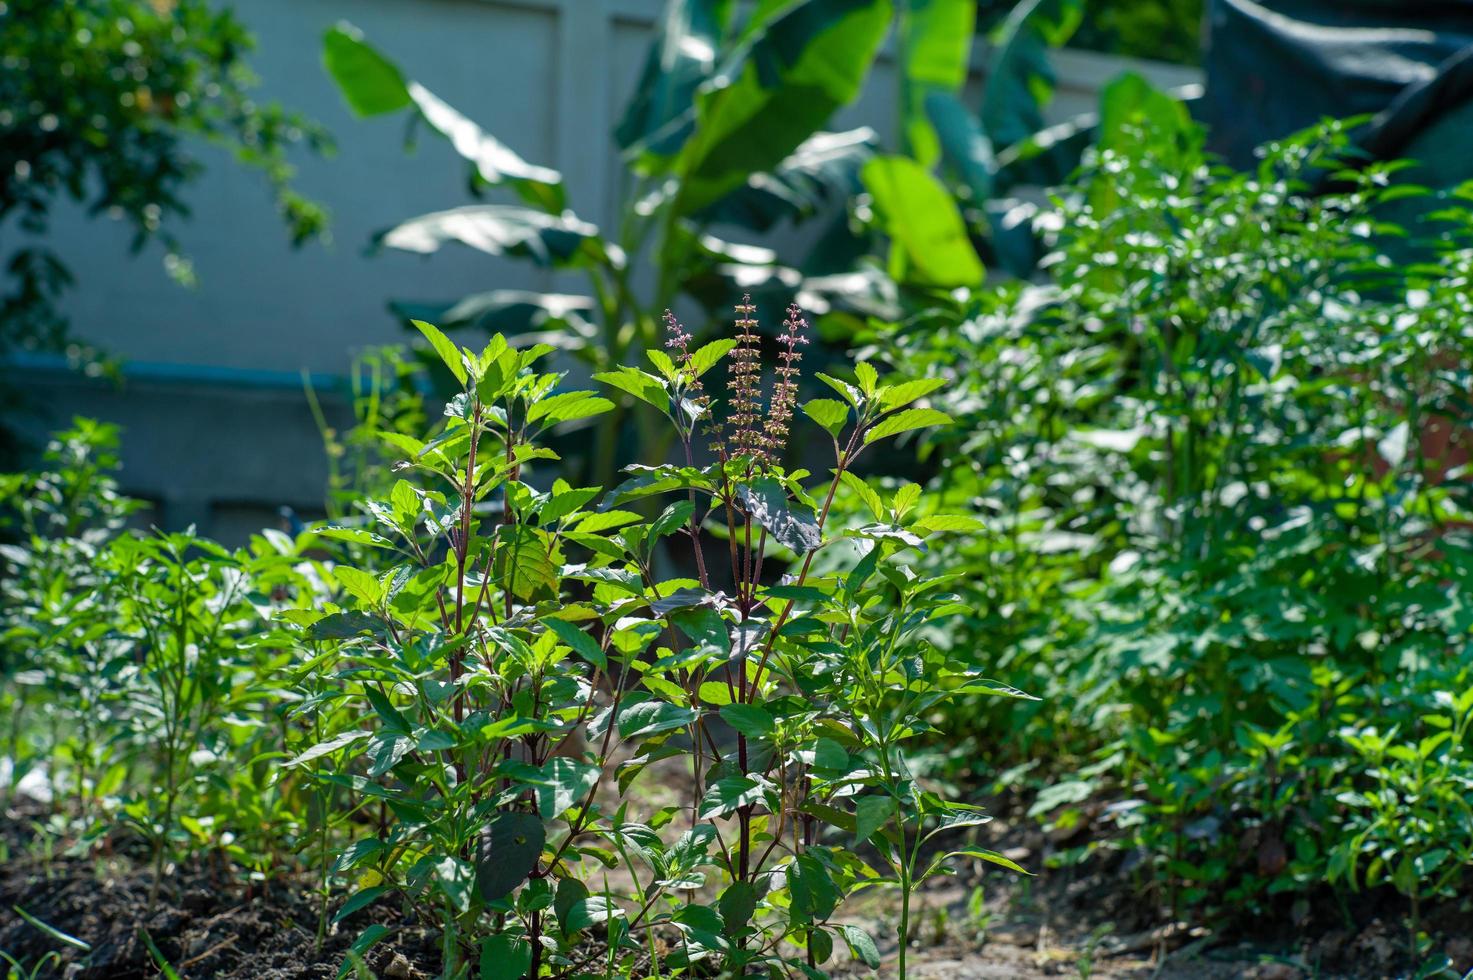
[{"x": 1071, "y": 922}]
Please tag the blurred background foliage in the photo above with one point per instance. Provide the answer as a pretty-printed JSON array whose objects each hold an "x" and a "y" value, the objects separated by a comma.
[
  {"x": 107, "y": 104},
  {"x": 1163, "y": 30}
]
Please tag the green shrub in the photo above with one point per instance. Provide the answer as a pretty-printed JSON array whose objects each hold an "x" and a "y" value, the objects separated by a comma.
[
  {"x": 481, "y": 702},
  {"x": 1225, "y": 533},
  {"x": 512, "y": 660}
]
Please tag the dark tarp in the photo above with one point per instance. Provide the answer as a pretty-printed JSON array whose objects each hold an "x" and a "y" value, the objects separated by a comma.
[{"x": 1276, "y": 68}]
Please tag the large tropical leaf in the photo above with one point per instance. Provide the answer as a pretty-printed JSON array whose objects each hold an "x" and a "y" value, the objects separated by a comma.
[
  {"x": 656, "y": 121},
  {"x": 373, "y": 85},
  {"x": 498, "y": 229},
  {"x": 1020, "y": 80},
  {"x": 514, "y": 312},
  {"x": 778, "y": 87},
  {"x": 935, "y": 47},
  {"x": 824, "y": 170},
  {"x": 929, "y": 243},
  {"x": 964, "y": 146}
]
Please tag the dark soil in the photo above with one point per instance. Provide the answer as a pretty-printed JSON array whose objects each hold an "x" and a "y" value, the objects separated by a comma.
[
  {"x": 1085, "y": 921},
  {"x": 203, "y": 924}
]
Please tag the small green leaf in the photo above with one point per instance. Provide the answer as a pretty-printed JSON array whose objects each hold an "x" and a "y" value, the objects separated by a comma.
[
  {"x": 709, "y": 355},
  {"x": 387, "y": 713},
  {"x": 568, "y": 406},
  {"x": 642, "y": 385},
  {"x": 647, "y": 718},
  {"x": 325, "y": 748},
  {"x": 949, "y": 522},
  {"x": 455, "y": 879},
  {"x": 870, "y": 814},
  {"x": 865, "y": 492},
  {"x": 508, "y": 853},
  {"x": 829, "y": 414},
  {"x": 791, "y": 524},
  {"x": 910, "y": 418},
  {"x": 505, "y": 958},
  {"x": 737, "y": 904},
  {"x": 605, "y": 521},
  {"x": 861, "y": 946},
  {"x": 750, "y": 720},
  {"x": 525, "y": 563},
  {"x": 564, "y": 783},
  {"x": 577, "y": 640},
  {"x": 727, "y": 795},
  {"x": 982, "y": 854},
  {"x": 445, "y": 347},
  {"x": 831, "y": 756},
  {"x": 564, "y": 503},
  {"x": 906, "y": 392},
  {"x": 675, "y": 517},
  {"x": 360, "y": 584},
  {"x": 847, "y": 391}
]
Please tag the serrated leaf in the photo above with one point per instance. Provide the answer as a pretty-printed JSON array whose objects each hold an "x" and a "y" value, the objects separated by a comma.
[
  {"x": 865, "y": 492},
  {"x": 449, "y": 353},
  {"x": 905, "y": 421},
  {"x": 750, "y": 720},
  {"x": 325, "y": 748},
  {"x": 847, "y": 391},
  {"x": 525, "y": 563},
  {"x": 831, "y": 415},
  {"x": 646, "y": 718},
  {"x": 605, "y": 521},
  {"x": 870, "y": 814},
  {"x": 359, "y": 584},
  {"x": 562, "y": 504},
  {"x": 642, "y": 385},
  {"x": 861, "y": 945},
  {"x": 898, "y": 396},
  {"x": 791, "y": 524},
  {"x": 949, "y": 522},
  {"x": 569, "y": 406},
  {"x": 709, "y": 355},
  {"x": 344, "y": 626},
  {"x": 508, "y": 853},
  {"x": 577, "y": 640}
]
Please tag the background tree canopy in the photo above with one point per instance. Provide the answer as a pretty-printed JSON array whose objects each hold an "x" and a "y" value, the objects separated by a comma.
[{"x": 99, "y": 103}]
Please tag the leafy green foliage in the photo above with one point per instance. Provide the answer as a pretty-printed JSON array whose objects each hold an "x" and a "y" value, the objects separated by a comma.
[
  {"x": 1224, "y": 529},
  {"x": 458, "y": 692},
  {"x": 512, "y": 672}
]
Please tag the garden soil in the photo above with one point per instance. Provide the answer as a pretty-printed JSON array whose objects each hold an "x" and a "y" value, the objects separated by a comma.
[{"x": 207, "y": 924}]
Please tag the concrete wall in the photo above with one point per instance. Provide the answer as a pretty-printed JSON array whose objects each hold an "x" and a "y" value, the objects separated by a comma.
[{"x": 217, "y": 428}]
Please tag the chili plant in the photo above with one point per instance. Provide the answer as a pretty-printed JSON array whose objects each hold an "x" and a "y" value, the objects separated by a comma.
[{"x": 518, "y": 672}]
